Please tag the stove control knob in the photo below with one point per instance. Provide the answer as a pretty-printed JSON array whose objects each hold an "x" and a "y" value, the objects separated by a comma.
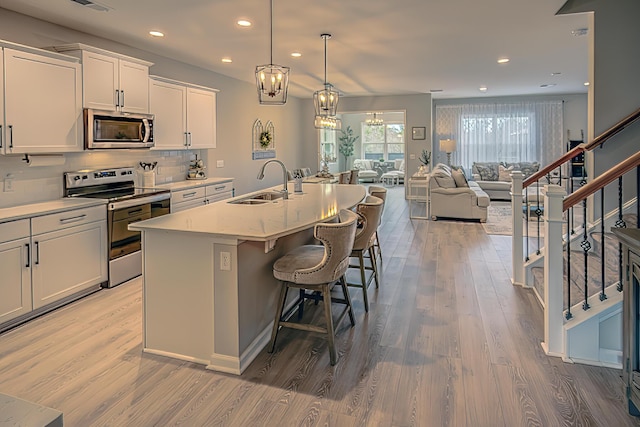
[{"x": 77, "y": 177}]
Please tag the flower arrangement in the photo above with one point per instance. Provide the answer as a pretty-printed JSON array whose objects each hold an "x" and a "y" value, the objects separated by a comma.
[
  {"x": 425, "y": 157},
  {"x": 265, "y": 139}
]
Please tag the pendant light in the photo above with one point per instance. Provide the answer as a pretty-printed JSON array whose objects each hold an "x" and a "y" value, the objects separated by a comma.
[
  {"x": 326, "y": 100},
  {"x": 375, "y": 121},
  {"x": 272, "y": 80}
]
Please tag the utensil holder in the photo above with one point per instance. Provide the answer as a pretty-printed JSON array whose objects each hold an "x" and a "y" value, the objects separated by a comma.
[{"x": 149, "y": 179}]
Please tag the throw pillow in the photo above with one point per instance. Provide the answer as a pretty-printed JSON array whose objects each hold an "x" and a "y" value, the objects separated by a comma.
[
  {"x": 487, "y": 171},
  {"x": 445, "y": 181},
  {"x": 504, "y": 174},
  {"x": 529, "y": 168},
  {"x": 459, "y": 178}
]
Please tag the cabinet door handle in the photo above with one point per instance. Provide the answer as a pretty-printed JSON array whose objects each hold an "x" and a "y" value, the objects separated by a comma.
[
  {"x": 37, "y": 257},
  {"x": 122, "y": 103},
  {"x": 189, "y": 138},
  {"x": 0, "y": 136},
  {"x": 10, "y": 136},
  {"x": 186, "y": 196},
  {"x": 219, "y": 188},
  {"x": 186, "y": 139},
  {"x": 28, "y": 255},
  {"x": 72, "y": 219},
  {"x": 117, "y": 98}
]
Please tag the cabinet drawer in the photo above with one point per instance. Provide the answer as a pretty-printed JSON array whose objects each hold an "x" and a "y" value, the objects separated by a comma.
[
  {"x": 13, "y": 230},
  {"x": 72, "y": 218},
  {"x": 185, "y": 195},
  {"x": 183, "y": 206},
  {"x": 220, "y": 196},
  {"x": 219, "y": 188}
]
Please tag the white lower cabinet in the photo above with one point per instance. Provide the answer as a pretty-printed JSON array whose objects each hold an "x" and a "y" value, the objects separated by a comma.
[
  {"x": 48, "y": 258},
  {"x": 200, "y": 196},
  {"x": 15, "y": 268},
  {"x": 68, "y": 261}
]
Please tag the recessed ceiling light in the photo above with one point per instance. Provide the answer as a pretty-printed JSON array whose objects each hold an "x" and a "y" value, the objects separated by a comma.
[
  {"x": 244, "y": 23},
  {"x": 156, "y": 33},
  {"x": 547, "y": 85},
  {"x": 586, "y": 83},
  {"x": 580, "y": 32},
  {"x": 482, "y": 88},
  {"x": 296, "y": 54},
  {"x": 503, "y": 60},
  {"x": 227, "y": 60}
]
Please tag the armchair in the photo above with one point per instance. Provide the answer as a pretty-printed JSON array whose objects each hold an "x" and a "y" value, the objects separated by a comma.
[
  {"x": 366, "y": 170},
  {"x": 453, "y": 197}
]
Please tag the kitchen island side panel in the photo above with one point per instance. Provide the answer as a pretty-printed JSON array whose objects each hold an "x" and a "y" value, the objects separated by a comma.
[
  {"x": 178, "y": 294},
  {"x": 258, "y": 289}
]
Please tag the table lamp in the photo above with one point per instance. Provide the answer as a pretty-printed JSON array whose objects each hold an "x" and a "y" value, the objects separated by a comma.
[{"x": 448, "y": 146}]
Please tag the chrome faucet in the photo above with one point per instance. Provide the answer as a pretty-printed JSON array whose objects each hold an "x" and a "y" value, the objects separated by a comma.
[{"x": 285, "y": 191}]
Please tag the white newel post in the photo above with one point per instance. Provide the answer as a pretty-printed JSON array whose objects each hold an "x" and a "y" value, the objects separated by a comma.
[
  {"x": 517, "y": 255},
  {"x": 553, "y": 278}
]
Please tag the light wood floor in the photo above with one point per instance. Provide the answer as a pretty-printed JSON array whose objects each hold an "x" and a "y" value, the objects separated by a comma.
[{"x": 448, "y": 341}]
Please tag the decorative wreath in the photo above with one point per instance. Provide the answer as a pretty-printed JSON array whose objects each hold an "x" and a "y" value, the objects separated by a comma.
[{"x": 265, "y": 139}]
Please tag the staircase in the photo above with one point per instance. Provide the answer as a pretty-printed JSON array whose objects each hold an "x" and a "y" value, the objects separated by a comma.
[{"x": 576, "y": 274}]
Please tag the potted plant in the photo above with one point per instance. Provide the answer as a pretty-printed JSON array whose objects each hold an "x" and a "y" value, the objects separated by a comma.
[
  {"x": 347, "y": 139},
  {"x": 425, "y": 159}
]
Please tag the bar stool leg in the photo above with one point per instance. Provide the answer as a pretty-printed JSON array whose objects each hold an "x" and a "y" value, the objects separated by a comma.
[
  {"x": 374, "y": 265},
  {"x": 276, "y": 323},
  {"x": 347, "y": 298},
  {"x": 333, "y": 355},
  {"x": 363, "y": 278}
]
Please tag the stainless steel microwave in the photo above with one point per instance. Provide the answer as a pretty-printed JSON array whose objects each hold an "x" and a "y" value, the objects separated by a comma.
[{"x": 110, "y": 129}]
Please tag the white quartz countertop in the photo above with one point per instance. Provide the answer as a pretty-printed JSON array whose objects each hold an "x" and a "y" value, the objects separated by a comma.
[
  {"x": 44, "y": 208},
  {"x": 261, "y": 222},
  {"x": 192, "y": 183}
]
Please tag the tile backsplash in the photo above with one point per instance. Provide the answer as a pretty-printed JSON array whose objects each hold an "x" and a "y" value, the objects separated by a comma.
[{"x": 33, "y": 184}]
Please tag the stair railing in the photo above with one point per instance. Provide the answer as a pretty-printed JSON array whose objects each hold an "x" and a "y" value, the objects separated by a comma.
[
  {"x": 558, "y": 301},
  {"x": 534, "y": 209}
]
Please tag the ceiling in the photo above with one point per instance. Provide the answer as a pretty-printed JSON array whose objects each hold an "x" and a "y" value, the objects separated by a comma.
[{"x": 378, "y": 47}]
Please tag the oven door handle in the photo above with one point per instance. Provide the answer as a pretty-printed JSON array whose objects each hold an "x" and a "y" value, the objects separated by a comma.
[{"x": 138, "y": 202}]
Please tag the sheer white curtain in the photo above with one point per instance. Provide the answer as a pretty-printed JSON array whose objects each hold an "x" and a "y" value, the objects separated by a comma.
[{"x": 526, "y": 131}]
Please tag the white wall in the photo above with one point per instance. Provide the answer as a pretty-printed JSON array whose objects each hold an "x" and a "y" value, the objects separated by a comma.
[{"x": 238, "y": 108}]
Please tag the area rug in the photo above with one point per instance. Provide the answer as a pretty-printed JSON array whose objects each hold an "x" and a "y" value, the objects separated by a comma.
[{"x": 499, "y": 220}]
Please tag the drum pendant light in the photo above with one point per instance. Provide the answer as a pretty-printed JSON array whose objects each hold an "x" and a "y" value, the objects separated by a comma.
[{"x": 272, "y": 80}]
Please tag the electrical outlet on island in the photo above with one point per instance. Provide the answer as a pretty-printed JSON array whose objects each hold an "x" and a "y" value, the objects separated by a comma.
[{"x": 220, "y": 163}]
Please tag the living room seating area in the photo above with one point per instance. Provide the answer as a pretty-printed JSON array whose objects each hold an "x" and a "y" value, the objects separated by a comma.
[
  {"x": 452, "y": 196},
  {"x": 495, "y": 179}
]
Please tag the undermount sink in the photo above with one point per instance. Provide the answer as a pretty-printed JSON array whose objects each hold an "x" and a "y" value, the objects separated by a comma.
[{"x": 258, "y": 199}]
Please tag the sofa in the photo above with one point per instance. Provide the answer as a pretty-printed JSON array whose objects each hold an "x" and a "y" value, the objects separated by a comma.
[
  {"x": 452, "y": 196},
  {"x": 366, "y": 171},
  {"x": 494, "y": 177}
]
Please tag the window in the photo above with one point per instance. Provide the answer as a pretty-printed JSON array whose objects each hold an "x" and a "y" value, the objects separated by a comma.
[
  {"x": 328, "y": 145},
  {"x": 383, "y": 142},
  {"x": 526, "y": 131}
]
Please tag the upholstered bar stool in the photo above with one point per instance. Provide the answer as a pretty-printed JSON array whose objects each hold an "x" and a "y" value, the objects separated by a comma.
[
  {"x": 380, "y": 193},
  {"x": 317, "y": 268},
  {"x": 369, "y": 212}
]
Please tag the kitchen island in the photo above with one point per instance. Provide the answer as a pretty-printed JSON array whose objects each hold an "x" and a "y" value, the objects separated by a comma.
[{"x": 209, "y": 295}]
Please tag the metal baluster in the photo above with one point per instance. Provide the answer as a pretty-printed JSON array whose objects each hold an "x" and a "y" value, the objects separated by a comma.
[
  {"x": 603, "y": 296},
  {"x": 620, "y": 224},
  {"x": 538, "y": 213},
  {"x": 571, "y": 222},
  {"x": 586, "y": 246},
  {"x": 526, "y": 228},
  {"x": 568, "y": 315}
]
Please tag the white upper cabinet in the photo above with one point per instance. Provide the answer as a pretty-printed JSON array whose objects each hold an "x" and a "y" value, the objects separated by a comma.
[
  {"x": 42, "y": 103},
  {"x": 111, "y": 81},
  {"x": 185, "y": 115}
]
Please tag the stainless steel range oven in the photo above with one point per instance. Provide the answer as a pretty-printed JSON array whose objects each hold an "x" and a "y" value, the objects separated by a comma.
[{"x": 126, "y": 204}]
